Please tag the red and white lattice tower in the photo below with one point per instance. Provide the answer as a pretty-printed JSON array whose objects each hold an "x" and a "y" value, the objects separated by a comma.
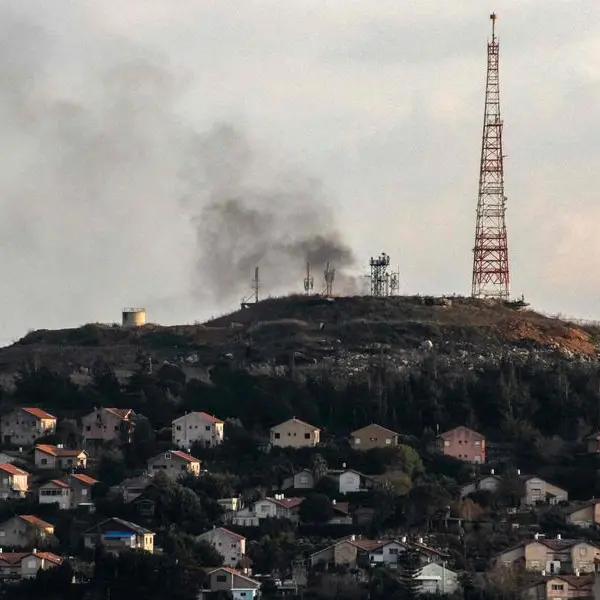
[{"x": 490, "y": 255}]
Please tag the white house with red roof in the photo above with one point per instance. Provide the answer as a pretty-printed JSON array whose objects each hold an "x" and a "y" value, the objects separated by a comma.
[
  {"x": 47, "y": 456},
  {"x": 68, "y": 492},
  {"x": 14, "y": 482},
  {"x": 197, "y": 427},
  {"x": 232, "y": 581},
  {"x": 231, "y": 546},
  {"x": 24, "y": 531},
  {"x": 277, "y": 507},
  {"x": 108, "y": 425},
  {"x": 24, "y": 425},
  {"x": 174, "y": 464},
  {"x": 23, "y": 565}
]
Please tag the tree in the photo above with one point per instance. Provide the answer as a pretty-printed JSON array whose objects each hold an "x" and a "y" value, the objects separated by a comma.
[
  {"x": 316, "y": 508},
  {"x": 409, "y": 568},
  {"x": 511, "y": 489}
]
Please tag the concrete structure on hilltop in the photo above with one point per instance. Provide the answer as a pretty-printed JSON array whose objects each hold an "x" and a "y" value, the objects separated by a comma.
[
  {"x": 24, "y": 425},
  {"x": 295, "y": 433},
  {"x": 197, "y": 427}
]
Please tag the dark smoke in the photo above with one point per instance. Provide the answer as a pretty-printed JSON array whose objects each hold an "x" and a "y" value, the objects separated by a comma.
[{"x": 252, "y": 211}]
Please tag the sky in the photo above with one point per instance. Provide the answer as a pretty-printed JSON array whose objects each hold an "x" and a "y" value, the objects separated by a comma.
[{"x": 127, "y": 126}]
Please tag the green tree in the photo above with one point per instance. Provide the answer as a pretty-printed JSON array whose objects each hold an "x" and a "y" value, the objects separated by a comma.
[
  {"x": 409, "y": 568},
  {"x": 316, "y": 508}
]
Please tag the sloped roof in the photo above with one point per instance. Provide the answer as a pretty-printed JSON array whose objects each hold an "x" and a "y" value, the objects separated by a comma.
[
  {"x": 56, "y": 451},
  {"x": 236, "y": 573},
  {"x": 56, "y": 482},
  {"x": 226, "y": 531},
  {"x": 122, "y": 523},
  {"x": 38, "y": 412},
  {"x": 36, "y": 521},
  {"x": 8, "y": 468},
  {"x": 446, "y": 433},
  {"x": 204, "y": 415},
  {"x": 122, "y": 413},
  {"x": 298, "y": 421},
  {"x": 49, "y": 556},
  {"x": 288, "y": 503},
  {"x": 184, "y": 456},
  {"x": 376, "y": 426},
  {"x": 576, "y": 581},
  {"x": 85, "y": 479}
]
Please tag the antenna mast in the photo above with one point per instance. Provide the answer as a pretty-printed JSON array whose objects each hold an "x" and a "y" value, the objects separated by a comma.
[
  {"x": 490, "y": 254},
  {"x": 329, "y": 276},
  {"x": 309, "y": 281},
  {"x": 253, "y": 299}
]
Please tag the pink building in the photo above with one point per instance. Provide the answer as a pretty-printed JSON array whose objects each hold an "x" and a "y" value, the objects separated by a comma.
[{"x": 463, "y": 443}]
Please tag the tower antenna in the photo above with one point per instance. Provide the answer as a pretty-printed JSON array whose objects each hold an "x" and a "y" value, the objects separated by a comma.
[
  {"x": 254, "y": 298},
  {"x": 309, "y": 280},
  {"x": 329, "y": 276},
  {"x": 490, "y": 254}
]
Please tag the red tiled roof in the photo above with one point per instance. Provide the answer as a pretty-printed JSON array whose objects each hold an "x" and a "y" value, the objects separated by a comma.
[
  {"x": 48, "y": 556},
  {"x": 38, "y": 412},
  {"x": 287, "y": 502},
  {"x": 12, "y": 469},
  {"x": 380, "y": 427},
  {"x": 12, "y": 558},
  {"x": 576, "y": 581},
  {"x": 234, "y": 572},
  {"x": 36, "y": 522},
  {"x": 293, "y": 419},
  {"x": 184, "y": 456},
  {"x": 445, "y": 433},
  {"x": 85, "y": 479},
  {"x": 56, "y": 451},
  {"x": 122, "y": 413}
]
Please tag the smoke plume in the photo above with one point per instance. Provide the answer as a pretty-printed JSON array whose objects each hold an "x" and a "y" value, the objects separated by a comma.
[{"x": 253, "y": 210}]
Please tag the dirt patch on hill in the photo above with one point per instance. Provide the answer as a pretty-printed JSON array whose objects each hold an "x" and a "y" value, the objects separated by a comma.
[{"x": 554, "y": 334}]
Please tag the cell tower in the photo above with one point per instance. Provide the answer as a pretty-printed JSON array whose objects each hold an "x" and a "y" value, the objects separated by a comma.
[
  {"x": 309, "y": 281},
  {"x": 490, "y": 254},
  {"x": 380, "y": 278},
  {"x": 329, "y": 276},
  {"x": 253, "y": 299}
]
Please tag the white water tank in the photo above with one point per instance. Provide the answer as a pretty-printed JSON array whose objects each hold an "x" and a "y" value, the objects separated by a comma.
[{"x": 134, "y": 317}]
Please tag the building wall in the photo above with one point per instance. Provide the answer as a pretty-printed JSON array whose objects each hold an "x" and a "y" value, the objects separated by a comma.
[
  {"x": 536, "y": 556},
  {"x": 31, "y": 564},
  {"x": 538, "y": 490},
  {"x": 231, "y": 548},
  {"x": 53, "y": 494},
  {"x": 464, "y": 444},
  {"x": 173, "y": 467},
  {"x": 349, "y": 482},
  {"x": 294, "y": 434},
  {"x": 584, "y": 517},
  {"x": 436, "y": 579},
  {"x": 583, "y": 557},
  {"x": 21, "y": 428},
  {"x": 18, "y": 533},
  {"x": 509, "y": 557},
  {"x": 13, "y": 486},
  {"x": 345, "y": 553},
  {"x": 104, "y": 426},
  {"x": 194, "y": 427},
  {"x": 304, "y": 480},
  {"x": 373, "y": 436},
  {"x": 80, "y": 493},
  {"x": 489, "y": 484},
  {"x": 48, "y": 461}
]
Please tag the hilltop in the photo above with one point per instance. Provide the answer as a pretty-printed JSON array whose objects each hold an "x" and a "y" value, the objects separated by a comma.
[{"x": 347, "y": 334}]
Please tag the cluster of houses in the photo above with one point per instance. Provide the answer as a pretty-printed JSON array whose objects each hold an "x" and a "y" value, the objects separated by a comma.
[{"x": 562, "y": 568}]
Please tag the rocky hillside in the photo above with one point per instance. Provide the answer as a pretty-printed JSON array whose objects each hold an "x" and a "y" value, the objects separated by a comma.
[{"x": 345, "y": 335}]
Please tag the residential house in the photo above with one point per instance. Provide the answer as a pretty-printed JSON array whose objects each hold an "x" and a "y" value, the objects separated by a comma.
[
  {"x": 593, "y": 443},
  {"x": 463, "y": 443},
  {"x": 350, "y": 481},
  {"x": 373, "y": 436},
  {"x": 231, "y": 504},
  {"x": 585, "y": 515},
  {"x": 295, "y": 433},
  {"x": 55, "y": 491},
  {"x": 23, "y": 565},
  {"x": 231, "y": 546},
  {"x": 130, "y": 489},
  {"x": 552, "y": 587},
  {"x": 435, "y": 578},
  {"x": 104, "y": 425},
  {"x": 23, "y": 425},
  {"x": 302, "y": 480},
  {"x": 554, "y": 556},
  {"x": 14, "y": 482},
  {"x": 341, "y": 514},
  {"x": 356, "y": 551},
  {"x": 278, "y": 507},
  {"x": 57, "y": 457},
  {"x": 197, "y": 427},
  {"x": 24, "y": 531},
  {"x": 117, "y": 535},
  {"x": 538, "y": 490},
  {"x": 230, "y": 581},
  {"x": 174, "y": 464},
  {"x": 68, "y": 493}
]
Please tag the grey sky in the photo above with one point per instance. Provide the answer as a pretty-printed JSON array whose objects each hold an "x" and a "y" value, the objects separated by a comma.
[{"x": 379, "y": 102}]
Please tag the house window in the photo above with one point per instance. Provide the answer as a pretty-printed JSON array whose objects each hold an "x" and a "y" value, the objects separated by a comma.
[
  {"x": 183, "y": 467},
  {"x": 178, "y": 427},
  {"x": 207, "y": 428},
  {"x": 264, "y": 508},
  {"x": 277, "y": 436},
  {"x": 446, "y": 443},
  {"x": 582, "y": 551},
  {"x": 307, "y": 436},
  {"x": 44, "y": 461},
  {"x": 88, "y": 428},
  {"x": 357, "y": 440},
  {"x": 31, "y": 563},
  {"x": 116, "y": 428},
  {"x": 303, "y": 479},
  {"x": 388, "y": 441},
  {"x": 477, "y": 443},
  {"x": 221, "y": 578},
  {"x": 558, "y": 587},
  {"x": 84, "y": 492},
  {"x": 393, "y": 551},
  {"x": 243, "y": 594}
]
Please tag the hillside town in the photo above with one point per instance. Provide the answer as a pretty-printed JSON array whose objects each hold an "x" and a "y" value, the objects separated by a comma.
[{"x": 294, "y": 511}]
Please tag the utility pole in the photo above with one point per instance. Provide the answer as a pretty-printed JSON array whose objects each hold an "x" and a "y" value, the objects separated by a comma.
[{"x": 490, "y": 254}]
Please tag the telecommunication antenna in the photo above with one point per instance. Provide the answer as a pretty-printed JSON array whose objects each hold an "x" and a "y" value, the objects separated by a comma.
[
  {"x": 254, "y": 298},
  {"x": 329, "y": 276},
  {"x": 309, "y": 281}
]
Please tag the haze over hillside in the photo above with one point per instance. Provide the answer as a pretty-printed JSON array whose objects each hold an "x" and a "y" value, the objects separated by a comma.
[{"x": 363, "y": 127}]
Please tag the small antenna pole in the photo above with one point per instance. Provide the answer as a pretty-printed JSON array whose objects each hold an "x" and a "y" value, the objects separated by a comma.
[{"x": 309, "y": 282}]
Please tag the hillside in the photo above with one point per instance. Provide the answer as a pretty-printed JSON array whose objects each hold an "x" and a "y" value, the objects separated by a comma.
[{"x": 347, "y": 334}]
